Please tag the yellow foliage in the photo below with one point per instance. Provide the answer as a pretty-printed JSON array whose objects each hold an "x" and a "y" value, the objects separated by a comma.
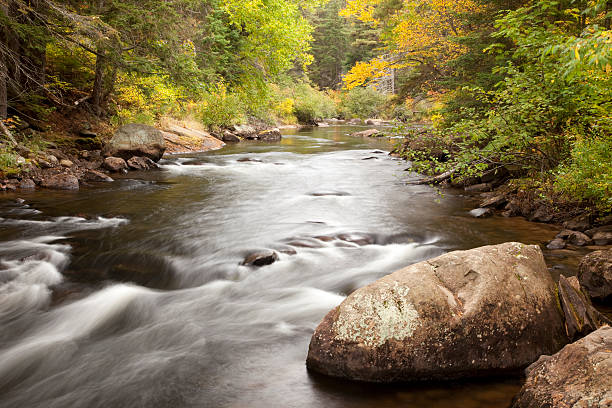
[
  {"x": 421, "y": 32},
  {"x": 361, "y": 9},
  {"x": 365, "y": 71}
]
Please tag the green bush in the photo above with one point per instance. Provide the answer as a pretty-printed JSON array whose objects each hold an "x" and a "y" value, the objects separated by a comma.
[
  {"x": 312, "y": 105},
  {"x": 9, "y": 163},
  {"x": 587, "y": 175},
  {"x": 220, "y": 108},
  {"x": 362, "y": 103}
]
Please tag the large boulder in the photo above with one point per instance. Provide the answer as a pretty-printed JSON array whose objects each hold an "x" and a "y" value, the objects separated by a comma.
[
  {"x": 595, "y": 274},
  {"x": 181, "y": 140},
  {"x": 580, "y": 375},
  {"x": 136, "y": 140},
  {"x": 470, "y": 313}
]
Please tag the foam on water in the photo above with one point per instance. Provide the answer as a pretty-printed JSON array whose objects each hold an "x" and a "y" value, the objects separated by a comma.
[{"x": 30, "y": 266}]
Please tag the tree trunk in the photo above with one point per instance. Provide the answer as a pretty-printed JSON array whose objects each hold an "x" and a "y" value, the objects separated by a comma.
[
  {"x": 96, "y": 94},
  {"x": 3, "y": 67},
  {"x": 3, "y": 92}
]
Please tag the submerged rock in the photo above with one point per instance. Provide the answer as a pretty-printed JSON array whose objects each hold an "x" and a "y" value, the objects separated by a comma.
[
  {"x": 595, "y": 274},
  {"x": 476, "y": 188},
  {"x": 261, "y": 258},
  {"x": 94, "y": 175},
  {"x": 557, "y": 243},
  {"x": 469, "y": 313},
  {"x": 580, "y": 375},
  {"x": 137, "y": 140},
  {"x": 482, "y": 212}
]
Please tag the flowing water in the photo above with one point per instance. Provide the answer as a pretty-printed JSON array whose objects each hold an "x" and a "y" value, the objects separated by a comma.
[{"x": 131, "y": 294}]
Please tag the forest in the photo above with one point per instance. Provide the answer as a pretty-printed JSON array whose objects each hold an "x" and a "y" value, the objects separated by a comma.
[{"x": 519, "y": 85}]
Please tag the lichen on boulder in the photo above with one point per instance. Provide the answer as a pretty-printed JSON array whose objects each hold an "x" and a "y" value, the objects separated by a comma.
[{"x": 471, "y": 313}]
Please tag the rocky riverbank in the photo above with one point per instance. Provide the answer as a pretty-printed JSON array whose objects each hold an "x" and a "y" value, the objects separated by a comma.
[{"x": 133, "y": 147}]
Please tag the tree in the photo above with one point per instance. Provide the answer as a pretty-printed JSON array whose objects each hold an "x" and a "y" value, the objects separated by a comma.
[{"x": 330, "y": 45}]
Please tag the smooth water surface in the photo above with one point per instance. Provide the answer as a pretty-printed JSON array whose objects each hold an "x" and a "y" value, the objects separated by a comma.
[{"x": 131, "y": 294}]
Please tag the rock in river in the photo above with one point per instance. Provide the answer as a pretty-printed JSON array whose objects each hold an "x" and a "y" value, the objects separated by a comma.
[
  {"x": 595, "y": 274},
  {"x": 261, "y": 258},
  {"x": 141, "y": 163},
  {"x": 136, "y": 140},
  {"x": 581, "y": 318},
  {"x": 93, "y": 175},
  {"x": 471, "y": 313},
  {"x": 580, "y": 375},
  {"x": 61, "y": 182},
  {"x": 482, "y": 212},
  {"x": 115, "y": 164}
]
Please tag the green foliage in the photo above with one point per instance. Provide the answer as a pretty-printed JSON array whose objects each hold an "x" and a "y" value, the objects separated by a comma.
[
  {"x": 220, "y": 108},
  {"x": 9, "y": 162},
  {"x": 330, "y": 45},
  {"x": 587, "y": 174},
  {"x": 362, "y": 102},
  {"x": 145, "y": 98},
  {"x": 549, "y": 114},
  {"x": 311, "y": 105}
]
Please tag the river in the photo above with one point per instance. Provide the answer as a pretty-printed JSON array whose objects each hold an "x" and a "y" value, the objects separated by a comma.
[{"x": 131, "y": 294}]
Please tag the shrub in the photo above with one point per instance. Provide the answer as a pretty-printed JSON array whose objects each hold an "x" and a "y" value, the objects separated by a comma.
[
  {"x": 9, "y": 163},
  {"x": 220, "y": 108},
  {"x": 588, "y": 174},
  {"x": 362, "y": 103},
  {"x": 312, "y": 105}
]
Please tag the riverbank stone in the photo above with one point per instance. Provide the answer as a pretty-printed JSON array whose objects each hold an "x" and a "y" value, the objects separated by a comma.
[
  {"x": 489, "y": 310},
  {"x": 367, "y": 133},
  {"x": 61, "y": 181},
  {"x": 595, "y": 274},
  {"x": 270, "y": 135},
  {"x": 580, "y": 375},
  {"x": 97, "y": 176},
  {"x": 136, "y": 140},
  {"x": 581, "y": 318},
  {"x": 141, "y": 163},
  {"x": 115, "y": 164}
]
